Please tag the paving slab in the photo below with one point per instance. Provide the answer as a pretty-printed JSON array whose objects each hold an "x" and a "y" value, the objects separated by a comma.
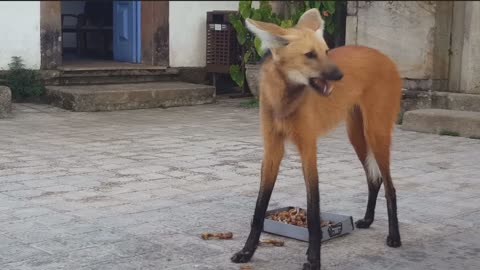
[{"x": 134, "y": 189}]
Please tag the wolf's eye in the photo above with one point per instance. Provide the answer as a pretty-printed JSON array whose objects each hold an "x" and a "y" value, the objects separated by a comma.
[{"x": 311, "y": 55}]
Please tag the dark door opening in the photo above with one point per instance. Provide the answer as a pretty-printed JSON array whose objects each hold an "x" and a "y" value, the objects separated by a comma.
[{"x": 87, "y": 30}]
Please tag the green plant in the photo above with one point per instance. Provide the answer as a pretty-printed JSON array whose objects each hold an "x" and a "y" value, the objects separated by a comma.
[
  {"x": 399, "y": 118},
  {"x": 23, "y": 82},
  {"x": 251, "y": 45},
  {"x": 449, "y": 133},
  {"x": 253, "y": 103}
]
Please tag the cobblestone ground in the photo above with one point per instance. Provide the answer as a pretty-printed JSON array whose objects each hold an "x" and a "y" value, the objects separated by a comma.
[{"x": 134, "y": 189}]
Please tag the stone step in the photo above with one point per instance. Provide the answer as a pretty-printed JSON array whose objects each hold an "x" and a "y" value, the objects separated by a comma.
[
  {"x": 111, "y": 97},
  {"x": 443, "y": 122},
  {"x": 413, "y": 100},
  {"x": 456, "y": 101},
  {"x": 87, "y": 76}
]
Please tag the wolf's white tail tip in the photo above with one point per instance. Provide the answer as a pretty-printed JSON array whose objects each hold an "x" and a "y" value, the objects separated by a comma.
[{"x": 372, "y": 167}]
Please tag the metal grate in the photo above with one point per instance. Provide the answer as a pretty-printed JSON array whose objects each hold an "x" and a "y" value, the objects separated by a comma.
[{"x": 223, "y": 49}]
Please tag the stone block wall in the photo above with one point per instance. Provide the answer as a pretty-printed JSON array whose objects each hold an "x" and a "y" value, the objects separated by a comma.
[{"x": 414, "y": 34}]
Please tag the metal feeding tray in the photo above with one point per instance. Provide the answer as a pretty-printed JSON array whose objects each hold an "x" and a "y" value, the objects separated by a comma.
[{"x": 341, "y": 225}]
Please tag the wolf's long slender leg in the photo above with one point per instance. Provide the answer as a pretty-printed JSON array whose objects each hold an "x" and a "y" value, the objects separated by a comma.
[{"x": 273, "y": 154}]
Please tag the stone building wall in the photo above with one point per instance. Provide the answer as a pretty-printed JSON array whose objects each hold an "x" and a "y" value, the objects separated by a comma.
[
  {"x": 436, "y": 45},
  {"x": 415, "y": 34}
]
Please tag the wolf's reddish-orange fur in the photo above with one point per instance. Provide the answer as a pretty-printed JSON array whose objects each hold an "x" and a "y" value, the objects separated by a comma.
[
  {"x": 306, "y": 92},
  {"x": 370, "y": 80}
]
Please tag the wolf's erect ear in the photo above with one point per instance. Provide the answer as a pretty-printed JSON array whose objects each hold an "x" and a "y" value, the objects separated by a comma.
[
  {"x": 271, "y": 35},
  {"x": 312, "y": 20}
]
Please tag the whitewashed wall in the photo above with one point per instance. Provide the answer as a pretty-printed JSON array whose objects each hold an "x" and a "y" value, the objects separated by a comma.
[
  {"x": 187, "y": 22},
  {"x": 20, "y": 32}
]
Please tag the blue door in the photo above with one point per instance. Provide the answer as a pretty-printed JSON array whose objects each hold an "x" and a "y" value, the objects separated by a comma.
[{"x": 126, "y": 31}]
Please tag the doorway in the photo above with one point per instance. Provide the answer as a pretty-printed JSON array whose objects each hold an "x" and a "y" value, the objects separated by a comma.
[
  {"x": 96, "y": 32},
  {"x": 153, "y": 37}
]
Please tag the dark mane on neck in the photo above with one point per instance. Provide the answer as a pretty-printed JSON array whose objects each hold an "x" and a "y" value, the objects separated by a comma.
[{"x": 266, "y": 55}]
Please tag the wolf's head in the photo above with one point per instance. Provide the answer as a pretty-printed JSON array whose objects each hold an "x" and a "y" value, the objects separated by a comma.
[{"x": 300, "y": 52}]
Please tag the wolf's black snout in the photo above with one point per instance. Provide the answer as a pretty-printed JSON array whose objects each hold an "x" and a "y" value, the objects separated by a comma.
[{"x": 333, "y": 74}]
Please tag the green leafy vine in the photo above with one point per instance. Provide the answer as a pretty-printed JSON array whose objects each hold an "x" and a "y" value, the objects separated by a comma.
[{"x": 251, "y": 45}]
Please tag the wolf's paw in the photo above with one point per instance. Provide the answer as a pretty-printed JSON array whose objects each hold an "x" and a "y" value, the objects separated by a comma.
[
  {"x": 241, "y": 257},
  {"x": 394, "y": 241},
  {"x": 311, "y": 266},
  {"x": 363, "y": 223}
]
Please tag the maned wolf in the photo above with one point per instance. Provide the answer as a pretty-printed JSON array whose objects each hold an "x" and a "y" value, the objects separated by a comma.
[{"x": 305, "y": 91}]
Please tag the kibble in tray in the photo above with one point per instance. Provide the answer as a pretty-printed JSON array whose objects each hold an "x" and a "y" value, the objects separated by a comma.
[{"x": 292, "y": 222}]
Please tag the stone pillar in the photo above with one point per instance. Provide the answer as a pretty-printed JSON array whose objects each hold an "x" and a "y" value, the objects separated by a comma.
[
  {"x": 5, "y": 101},
  {"x": 279, "y": 7},
  {"x": 51, "y": 34},
  {"x": 351, "y": 24},
  {"x": 465, "y": 64}
]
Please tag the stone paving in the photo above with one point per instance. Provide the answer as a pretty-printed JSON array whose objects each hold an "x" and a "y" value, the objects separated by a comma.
[{"x": 134, "y": 189}]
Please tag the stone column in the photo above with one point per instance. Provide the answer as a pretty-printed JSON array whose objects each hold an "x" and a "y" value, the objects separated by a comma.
[
  {"x": 465, "y": 64},
  {"x": 279, "y": 7},
  {"x": 51, "y": 34},
  {"x": 5, "y": 101},
  {"x": 352, "y": 23}
]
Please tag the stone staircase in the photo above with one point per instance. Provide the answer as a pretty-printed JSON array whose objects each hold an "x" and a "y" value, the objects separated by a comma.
[
  {"x": 83, "y": 76},
  {"x": 443, "y": 113},
  {"x": 87, "y": 89}
]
